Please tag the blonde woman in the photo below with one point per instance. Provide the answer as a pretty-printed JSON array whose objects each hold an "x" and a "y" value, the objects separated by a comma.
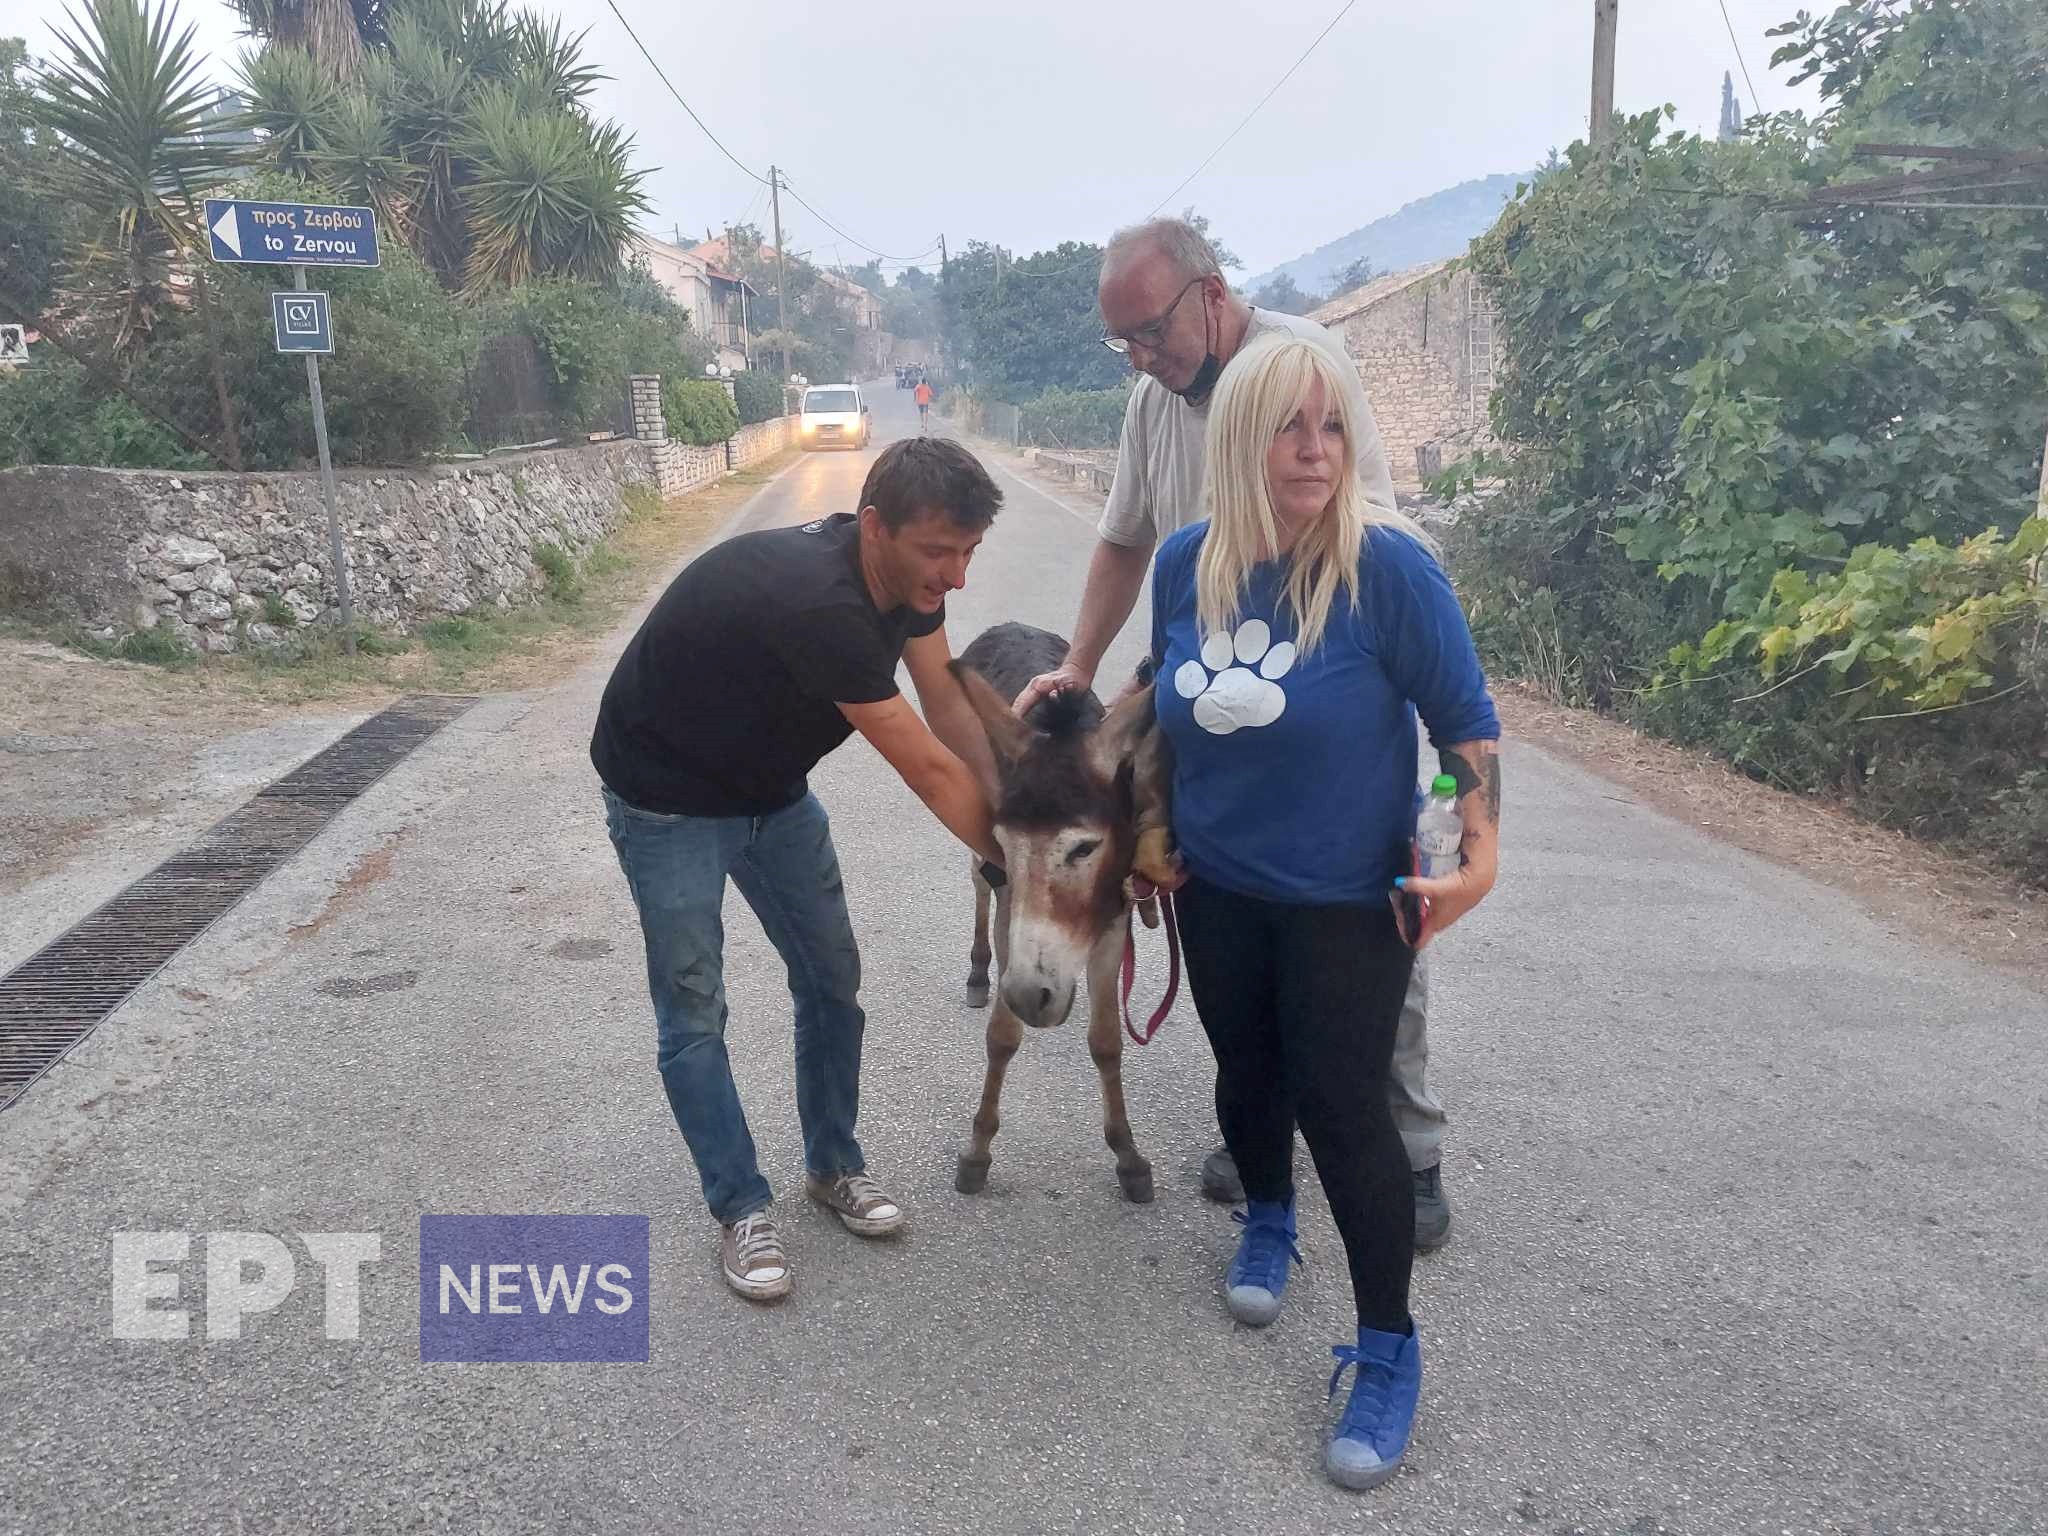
[{"x": 1296, "y": 636}]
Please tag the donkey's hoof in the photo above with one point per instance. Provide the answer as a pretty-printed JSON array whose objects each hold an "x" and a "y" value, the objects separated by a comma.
[
  {"x": 977, "y": 994},
  {"x": 971, "y": 1176},
  {"x": 1137, "y": 1184}
]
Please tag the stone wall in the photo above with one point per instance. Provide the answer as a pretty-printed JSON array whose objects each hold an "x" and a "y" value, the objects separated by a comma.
[
  {"x": 680, "y": 467},
  {"x": 224, "y": 560},
  {"x": 762, "y": 440},
  {"x": 1412, "y": 353}
]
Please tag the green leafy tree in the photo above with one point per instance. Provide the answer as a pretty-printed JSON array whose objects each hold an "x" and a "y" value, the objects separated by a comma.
[
  {"x": 1283, "y": 295},
  {"x": 1352, "y": 275},
  {"x": 1775, "y": 457},
  {"x": 758, "y": 396},
  {"x": 1226, "y": 258},
  {"x": 1018, "y": 328},
  {"x": 32, "y": 217}
]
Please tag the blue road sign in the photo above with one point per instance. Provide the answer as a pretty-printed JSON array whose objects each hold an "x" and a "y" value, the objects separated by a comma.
[
  {"x": 291, "y": 234},
  {"x": 301, "y": 321}
]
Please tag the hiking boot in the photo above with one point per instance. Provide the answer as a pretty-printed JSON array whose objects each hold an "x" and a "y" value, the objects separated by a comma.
[
  {"x": 1219, "y": 1178},
  {"x": 752, "y": 1255},
  {"x": 1432, "y": 1209},
  {"x": 1258, "y": 1275},
  {"x": 858, "y": 1201},
  {"x": 1371, "y": 1435}
]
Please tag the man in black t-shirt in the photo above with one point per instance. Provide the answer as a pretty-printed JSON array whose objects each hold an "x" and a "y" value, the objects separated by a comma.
[{"x": 768, "y": 651}]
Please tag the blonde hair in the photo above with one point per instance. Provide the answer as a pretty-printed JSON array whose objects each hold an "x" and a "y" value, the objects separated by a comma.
[{"x": 1259, "y": 393}]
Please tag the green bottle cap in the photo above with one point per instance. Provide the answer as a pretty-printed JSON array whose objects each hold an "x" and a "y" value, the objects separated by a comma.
[{"x": 1444, "y": 784}]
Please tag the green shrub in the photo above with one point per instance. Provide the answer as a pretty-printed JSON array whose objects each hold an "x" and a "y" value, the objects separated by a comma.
[
  {"x": 698, "y": 411},
  {"x": 393, "y": 388},
  {"x": 592, "y": 338},
  {"x": 278, "y": 613},
  {"x": 1075, "y": 418},
  {"x": 453, "y": 633},
  {"x": 558, "y": 567},
  {"x": 155, "y": 647},
  {"x": 758, "y": 395},
  {"x": 53, "y": 413}
]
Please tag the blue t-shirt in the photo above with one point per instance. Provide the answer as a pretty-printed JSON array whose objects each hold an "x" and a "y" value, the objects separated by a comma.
[{"x": 1294, "y": 777}]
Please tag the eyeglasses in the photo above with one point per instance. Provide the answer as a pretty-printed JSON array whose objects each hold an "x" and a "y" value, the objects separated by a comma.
[{"x": 1152, "y": 332}]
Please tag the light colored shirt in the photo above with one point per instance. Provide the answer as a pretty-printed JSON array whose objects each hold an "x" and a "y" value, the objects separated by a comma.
[{"x": 1158, "y": 484}]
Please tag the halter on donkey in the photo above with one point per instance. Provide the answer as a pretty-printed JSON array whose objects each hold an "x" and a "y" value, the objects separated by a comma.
[{"x": 1079, "y": 792}]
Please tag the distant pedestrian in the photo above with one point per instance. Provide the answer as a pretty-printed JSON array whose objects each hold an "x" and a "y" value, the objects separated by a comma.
[{"x": 924, "y": 404}]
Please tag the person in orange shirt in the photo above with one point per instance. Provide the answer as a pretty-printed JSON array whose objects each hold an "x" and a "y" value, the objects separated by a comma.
[{"x": 924, "y": 405}]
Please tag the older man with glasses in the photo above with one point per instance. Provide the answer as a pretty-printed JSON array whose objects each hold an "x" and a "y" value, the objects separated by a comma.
[{"x": 1166, "y": 306}]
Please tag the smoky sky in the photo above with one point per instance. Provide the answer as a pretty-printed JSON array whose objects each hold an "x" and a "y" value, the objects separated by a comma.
[{"x": 1033, "y": 123}]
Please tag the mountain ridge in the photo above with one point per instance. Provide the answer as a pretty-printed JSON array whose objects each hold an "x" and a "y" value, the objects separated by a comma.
[{"x": 1428, "y": 229}]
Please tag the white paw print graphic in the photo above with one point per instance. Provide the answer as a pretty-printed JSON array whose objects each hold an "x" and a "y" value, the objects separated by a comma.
[{"x": 1237, "y": 697}]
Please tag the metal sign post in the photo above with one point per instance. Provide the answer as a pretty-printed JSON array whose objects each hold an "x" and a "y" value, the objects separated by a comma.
[
  {"x": 335, "y": 548},
  {"x": 300, "y": 235}
]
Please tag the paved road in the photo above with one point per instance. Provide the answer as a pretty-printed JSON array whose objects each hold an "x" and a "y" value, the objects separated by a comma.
[{"x": 1752, "y": 1200}]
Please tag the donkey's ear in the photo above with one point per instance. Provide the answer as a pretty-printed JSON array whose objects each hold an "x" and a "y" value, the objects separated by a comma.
[
  {"x": 1114, "y": 743},
  {"x": 1007, "y": 734}
]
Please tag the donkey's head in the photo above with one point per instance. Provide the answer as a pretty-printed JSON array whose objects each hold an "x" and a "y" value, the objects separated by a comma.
[{"x": 1064, "y": 819}]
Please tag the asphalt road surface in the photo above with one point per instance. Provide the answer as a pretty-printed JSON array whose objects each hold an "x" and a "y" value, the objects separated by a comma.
[{"x": 1751, "y": 1197}]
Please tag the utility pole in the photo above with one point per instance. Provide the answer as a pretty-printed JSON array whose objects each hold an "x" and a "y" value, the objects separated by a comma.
[
  {"x": 942, "y": 258},
  {"x": 781, "y": 271},
  {"x": 1600, "y": 128}
]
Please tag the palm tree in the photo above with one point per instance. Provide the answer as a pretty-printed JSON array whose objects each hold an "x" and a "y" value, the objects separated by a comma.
[
  {"x": 130, "y": 111},
  {"x": 292, "y": 104},
  {"x": 332, "y": 33},
  {"x": 129, "y": 108},
  {"x": 466, "y": 129}
]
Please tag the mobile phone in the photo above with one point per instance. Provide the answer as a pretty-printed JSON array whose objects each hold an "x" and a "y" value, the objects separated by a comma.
[{"x": 1411, "y": 909}]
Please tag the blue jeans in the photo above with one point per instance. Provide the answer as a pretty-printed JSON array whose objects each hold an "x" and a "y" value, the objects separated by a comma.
[{"x": 785, "y": 867}]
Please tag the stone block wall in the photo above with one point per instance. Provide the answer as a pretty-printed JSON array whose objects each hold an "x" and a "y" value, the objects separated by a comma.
[
  {"x": 680, "y": 467},
  {"x": 226, "y": 560},
  {"x": 1412, "y": 354},
  {"x": 764, "y": 439}
]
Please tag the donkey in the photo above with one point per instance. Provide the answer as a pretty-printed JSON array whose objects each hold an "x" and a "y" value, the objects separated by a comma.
[{"x": 1079, "y": 790}]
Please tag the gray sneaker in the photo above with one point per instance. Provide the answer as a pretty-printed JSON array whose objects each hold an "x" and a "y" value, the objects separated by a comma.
[
  {"x": 1432, "y": 1209},
  {"x": 858, "y": 1201},
  {"x": 751, "y": 1253},
  {"x": 1219, "y": 1178}
]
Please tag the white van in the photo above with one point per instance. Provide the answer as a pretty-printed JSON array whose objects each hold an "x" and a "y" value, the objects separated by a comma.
[{"x": 834, "y": 415}]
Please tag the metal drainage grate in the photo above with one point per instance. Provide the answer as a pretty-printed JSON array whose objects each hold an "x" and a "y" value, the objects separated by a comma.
[{"x": 60, "y": 995}]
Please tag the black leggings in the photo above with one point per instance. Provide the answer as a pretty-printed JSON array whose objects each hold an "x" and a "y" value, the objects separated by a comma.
[{"x": 1300, "y": 1005}]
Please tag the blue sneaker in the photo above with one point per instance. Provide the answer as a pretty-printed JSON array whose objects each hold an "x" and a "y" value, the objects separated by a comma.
[
  {"x": 1258, "y": 1275},
  {"x": 1371, "y": 1435}
]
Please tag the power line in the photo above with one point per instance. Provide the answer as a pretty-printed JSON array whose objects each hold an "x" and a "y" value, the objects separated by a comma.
[
  {"x": 1311, "y": 48},
  {"x": 849, "y": 239},
  {"x": 1739, "y": 59},
  {"x": 735, "y": 159}
]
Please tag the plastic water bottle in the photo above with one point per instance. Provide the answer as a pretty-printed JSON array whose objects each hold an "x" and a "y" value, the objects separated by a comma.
[{"x": 1440, "y": 830}]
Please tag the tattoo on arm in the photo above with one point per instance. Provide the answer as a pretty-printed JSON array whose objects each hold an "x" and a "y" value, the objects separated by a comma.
[{"x": 1484, "y": 777}]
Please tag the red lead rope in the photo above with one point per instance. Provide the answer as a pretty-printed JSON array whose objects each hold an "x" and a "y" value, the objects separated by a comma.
[{"x": 1129, "y": 973}]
